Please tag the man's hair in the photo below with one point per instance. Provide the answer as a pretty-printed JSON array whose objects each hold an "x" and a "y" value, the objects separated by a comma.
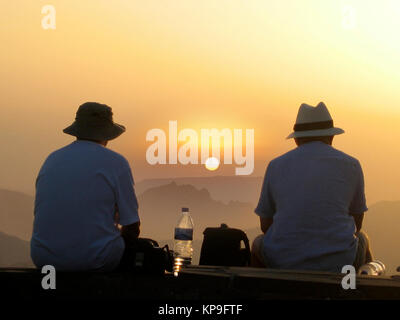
[{"x": 324, "y": 139}]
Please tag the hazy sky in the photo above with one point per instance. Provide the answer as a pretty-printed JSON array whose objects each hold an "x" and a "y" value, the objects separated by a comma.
[{"x": 207, "y": 64}]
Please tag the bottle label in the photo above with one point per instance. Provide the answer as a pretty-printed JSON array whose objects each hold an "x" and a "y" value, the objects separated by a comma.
[{"x": 183, "y": 234}]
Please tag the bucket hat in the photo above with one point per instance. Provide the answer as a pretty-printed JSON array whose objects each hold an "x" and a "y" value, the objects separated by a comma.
[{"x": 94, "y": 121}]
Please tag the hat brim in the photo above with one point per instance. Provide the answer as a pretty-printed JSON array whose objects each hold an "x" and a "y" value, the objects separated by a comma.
[
  {"x": 315, "y": 133},
  {"x": 95, "y": 133}
]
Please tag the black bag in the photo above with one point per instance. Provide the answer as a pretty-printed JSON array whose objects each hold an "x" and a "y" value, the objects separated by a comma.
[
  {"x": 222, "y": 247},
  {"x": 145, "y": 256}
]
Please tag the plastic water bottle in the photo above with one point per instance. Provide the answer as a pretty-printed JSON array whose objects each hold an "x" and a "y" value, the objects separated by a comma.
[
  {"x": 183, "y": 241},
  {"x": 373, "y": 268}
]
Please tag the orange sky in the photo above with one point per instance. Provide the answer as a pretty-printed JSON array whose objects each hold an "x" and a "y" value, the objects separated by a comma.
[{"x": 223, "y": 64}]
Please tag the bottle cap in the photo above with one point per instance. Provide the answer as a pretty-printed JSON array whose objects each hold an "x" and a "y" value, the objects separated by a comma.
[{"x": 185, "y": 209}]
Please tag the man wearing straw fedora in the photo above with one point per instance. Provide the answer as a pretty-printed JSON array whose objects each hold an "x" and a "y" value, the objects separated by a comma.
[
  {"x": 82, "y": 191},
  {"x": 312, "y": 202}
]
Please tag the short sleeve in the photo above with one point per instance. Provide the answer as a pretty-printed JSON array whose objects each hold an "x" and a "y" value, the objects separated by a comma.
[
  {"x": 126, "y": 198},
  {"x": 266, "y": 204},
  {"x": 358, "y": 204}
]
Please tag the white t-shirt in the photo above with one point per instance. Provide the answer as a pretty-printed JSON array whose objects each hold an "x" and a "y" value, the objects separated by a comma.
[
  {"x": 309, "y": 192},
  {"x": 78, "y": 190}
]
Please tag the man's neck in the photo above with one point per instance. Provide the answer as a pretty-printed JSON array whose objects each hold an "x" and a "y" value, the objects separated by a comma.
[{"x": 103, "y": 143}]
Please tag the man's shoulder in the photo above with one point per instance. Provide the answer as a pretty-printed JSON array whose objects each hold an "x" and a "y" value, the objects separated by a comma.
[
  {"x": 329, "y": 150},
  {"x": 114, "y": 155},
  {"x": 58, "y": 152},
  {"x": 344, "y": 156},
  {"x": 286, "y": 155},
  {"x": 116, "y": 159},
  {"x": 102, "y": 152}
]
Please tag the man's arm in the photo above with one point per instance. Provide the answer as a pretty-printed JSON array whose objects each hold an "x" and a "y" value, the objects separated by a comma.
[
  {"x": 266, "y": 205},
  {"x": 265, "y": 223},
  {"x": 358, "y": 220},
  {"x": 126, "y": 205},
  {"x": 358, "y": 204},
  {"x": 130, "y": 232}
]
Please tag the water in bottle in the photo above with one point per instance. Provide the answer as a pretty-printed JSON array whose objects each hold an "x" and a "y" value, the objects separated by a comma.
[
  {"x": 183, "y": 241},
  {"x": 373, "y": 268}
]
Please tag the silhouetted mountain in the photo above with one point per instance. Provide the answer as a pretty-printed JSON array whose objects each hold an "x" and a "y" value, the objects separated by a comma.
[
  {"x": 160, "y": 209},
  {"x": 222, "y": 188},
  {"x": 16, "y": 213},
  {"x": 14, "y": 252}
]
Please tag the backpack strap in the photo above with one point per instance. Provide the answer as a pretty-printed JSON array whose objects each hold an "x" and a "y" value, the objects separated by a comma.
[{"x": 247, "y": 246}]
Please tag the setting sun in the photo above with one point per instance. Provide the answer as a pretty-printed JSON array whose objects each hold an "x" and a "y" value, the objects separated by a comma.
[{"x": 212, "y": 164}]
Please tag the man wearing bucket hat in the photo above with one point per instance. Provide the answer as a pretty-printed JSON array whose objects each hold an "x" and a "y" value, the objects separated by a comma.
[
  {"x": 312, "y": 202},
  {"x": 82, "y": 190}
]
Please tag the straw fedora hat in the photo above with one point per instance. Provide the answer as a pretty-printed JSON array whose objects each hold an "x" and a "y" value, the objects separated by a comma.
[
  {"x": 314, "y": 122},
  {"x": 94, "y": 121}
]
